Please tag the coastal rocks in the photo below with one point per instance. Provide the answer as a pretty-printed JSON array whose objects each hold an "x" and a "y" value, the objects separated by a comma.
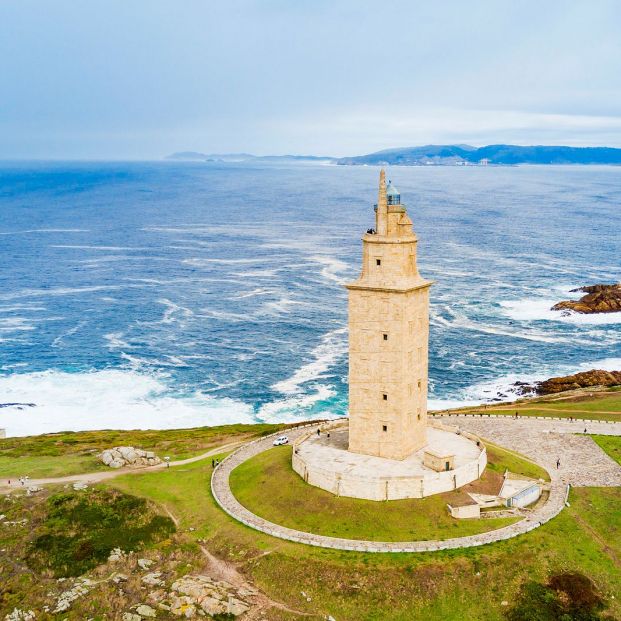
[
  {"x": 599, "y": 299},
  {"x": 586, "y": 379},
  {"x": 121, "y": 456}
]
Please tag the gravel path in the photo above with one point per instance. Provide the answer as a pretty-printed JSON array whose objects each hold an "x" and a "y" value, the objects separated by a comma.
[{"x": 582, "y": 463}]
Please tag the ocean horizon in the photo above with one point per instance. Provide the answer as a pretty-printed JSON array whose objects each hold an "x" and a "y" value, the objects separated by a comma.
[{"x": 180, "y": 294}]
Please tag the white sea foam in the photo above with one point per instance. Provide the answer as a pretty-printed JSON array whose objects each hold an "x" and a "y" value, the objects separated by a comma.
[
  {"x": 303, "y": 386},
  {"x": 461, "y": 321},
  {"x": 15, "y": 324},
  {"x": 115, "y": 341},
  {"x": 108, "y": 399},
  {"x": 447, "y": 404},
  {"x": 331, "y": 349},
  {"x": 504, "y": 387},
  {"x": 252, "y": 294},
  {"x": 294, "y": 408},
  {"x": 58, "y": 341},
  {"x": 27, "y": 293},
  {"x": 281, "y": 306},
  {"x": 537, "y": 309},
  {"x": 46, "y": 231},
  {"x": 110, "y": 248},
  {"x": 21, "y": 307},
  {"x": 331, "y": 268}
]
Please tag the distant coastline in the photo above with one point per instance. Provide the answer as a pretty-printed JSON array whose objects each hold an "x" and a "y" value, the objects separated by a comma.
[{"x": 436, "y": 155}]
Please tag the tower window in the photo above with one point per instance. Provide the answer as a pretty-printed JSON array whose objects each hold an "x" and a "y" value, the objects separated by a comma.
[
  {"x": 378, "y": 261},
  {"x": 385, "y": 336},
  {"x": 384, "y": 427},
  {"x": 385, "y": 397}
]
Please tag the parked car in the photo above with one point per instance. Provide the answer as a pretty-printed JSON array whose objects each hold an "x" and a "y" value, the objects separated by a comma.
[{"x": 281, "y": 440}]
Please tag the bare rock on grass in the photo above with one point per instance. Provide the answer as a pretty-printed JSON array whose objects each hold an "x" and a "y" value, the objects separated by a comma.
[
  {"x": 20, "y": 615},
  {"x": 146, "y": 611},
  {"x": 144, "y": 563},
  {"x": 121, "y": 456},
  {"x": 153, "y": 579},
  {"x": 210, "y": 596}
]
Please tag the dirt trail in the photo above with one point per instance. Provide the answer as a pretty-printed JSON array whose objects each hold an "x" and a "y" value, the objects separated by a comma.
[
  {"x": 223, "y": 570},
  {"x": 97, "y": 477}
]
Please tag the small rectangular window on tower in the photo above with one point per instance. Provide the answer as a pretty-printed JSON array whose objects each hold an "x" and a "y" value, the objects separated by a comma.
[
  {"x": 384, "y": 427},
  {"x": 385, "y": 397},
  {"x": 385, "y": 336},
  {"x": 378, "y": 261}
]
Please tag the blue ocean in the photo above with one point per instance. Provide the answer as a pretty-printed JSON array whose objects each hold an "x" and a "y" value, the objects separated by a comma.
[{"x": 162, "y": 294}]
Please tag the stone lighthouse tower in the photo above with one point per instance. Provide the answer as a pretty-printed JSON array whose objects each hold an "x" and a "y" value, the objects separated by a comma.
[{"x": 388, "y": 338}]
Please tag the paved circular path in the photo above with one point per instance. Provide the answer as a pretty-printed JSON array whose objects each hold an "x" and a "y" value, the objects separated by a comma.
[{"x": 582, "y": 463}]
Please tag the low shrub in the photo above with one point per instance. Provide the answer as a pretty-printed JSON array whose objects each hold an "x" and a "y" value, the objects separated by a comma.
[{"x": 80, "y": 529}]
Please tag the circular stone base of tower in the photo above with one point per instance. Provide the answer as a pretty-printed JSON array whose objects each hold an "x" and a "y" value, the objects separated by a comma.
[{"x": 326, "y": 463}]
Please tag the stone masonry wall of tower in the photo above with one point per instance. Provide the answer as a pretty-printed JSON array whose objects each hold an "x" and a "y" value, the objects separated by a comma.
[{"x": 388, "y": 340}]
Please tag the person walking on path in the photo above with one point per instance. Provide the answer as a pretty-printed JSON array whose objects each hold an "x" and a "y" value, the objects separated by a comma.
[{"x": 558, "y": 463}]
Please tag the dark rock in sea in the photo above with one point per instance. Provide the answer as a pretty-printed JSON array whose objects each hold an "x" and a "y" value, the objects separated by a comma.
[
  {"x": 586, "y": 379},
  {"x": 19, "y": 405},
  {"x": 598, "y": 299}
]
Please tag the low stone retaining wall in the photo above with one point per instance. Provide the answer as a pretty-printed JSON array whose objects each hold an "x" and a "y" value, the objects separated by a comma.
[
  {"x": 380, "y": 488},
  {"x": 226, "y": 500},
  {"x": 576, "y": 421}
]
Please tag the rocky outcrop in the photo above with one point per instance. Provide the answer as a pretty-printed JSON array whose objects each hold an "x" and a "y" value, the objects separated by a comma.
[
  {"x": 598, "y": 299},
  {"x": 121, "y": 456},
  {"x": 586, "y": 379},
  {"x": 192, "y": 594}
]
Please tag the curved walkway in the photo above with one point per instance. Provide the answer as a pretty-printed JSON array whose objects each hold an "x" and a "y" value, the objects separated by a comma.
[{"x": 504, "y": 430}]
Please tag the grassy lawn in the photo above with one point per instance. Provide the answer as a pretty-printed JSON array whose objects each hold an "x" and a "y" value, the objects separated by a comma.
[
  {"x": 47, "y": 466},
  {"x": 465, "y": 584},
  {"x": 268, "y": 486},
  {"x": 610, "y": 445},
  {"x": 599, "y": 406},
  {"x": 67, "y": 453}
]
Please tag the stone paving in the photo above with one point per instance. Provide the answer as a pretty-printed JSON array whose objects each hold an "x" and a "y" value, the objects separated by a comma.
[{"x": 582, "y": 463}]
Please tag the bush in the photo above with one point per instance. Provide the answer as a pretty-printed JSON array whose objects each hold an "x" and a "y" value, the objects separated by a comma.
[
  {"x": 568, "y": 596},
  {"x": 80, "y": 529}
]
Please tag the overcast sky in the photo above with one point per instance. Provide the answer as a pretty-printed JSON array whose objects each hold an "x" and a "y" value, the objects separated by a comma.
[{"x": 143, "y": 78}]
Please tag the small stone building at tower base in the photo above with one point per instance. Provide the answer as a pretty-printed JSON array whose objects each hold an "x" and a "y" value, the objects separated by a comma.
[{"x": 326, "y": 463}]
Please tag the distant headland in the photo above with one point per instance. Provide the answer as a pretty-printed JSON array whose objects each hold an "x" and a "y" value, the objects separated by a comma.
[{"x": 436, "y": 155}]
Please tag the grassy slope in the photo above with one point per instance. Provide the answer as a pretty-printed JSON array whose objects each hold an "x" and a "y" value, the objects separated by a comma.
[
  {"x": 466, "y": 585},
  {"x": 268, "y": 486},
  {"x": 66, "y": 453},
  {"x": 598, "y": 406},
  {"x": 610, "y": 445}
]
